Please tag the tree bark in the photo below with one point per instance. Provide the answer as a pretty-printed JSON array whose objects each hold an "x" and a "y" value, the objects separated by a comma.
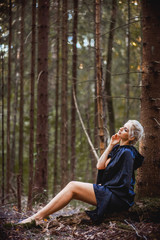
[
  {"x": 3, "y": 135},
  {"x": 16, "y": 89},
  {"x": 148, "y": 180},
  {"x": 74, "y": 85},
  {"x": 99, "y": 77},
  {"x": 8, "y": 175},
  {"x": 55, "y": 170},
  {"x": 32, "y": 89},
  {"x": 64, "y": 99},
  {"x": 41, "y": 171},
  {"x": 21, "y": 116},
  {"x": 109, "y": 68},
  {"x": 94, "y": 161},
  {"x": 128, "y": 64}
]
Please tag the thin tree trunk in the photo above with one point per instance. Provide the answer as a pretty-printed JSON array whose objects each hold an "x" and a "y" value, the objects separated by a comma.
[
  {"x": 55, "y": 170},
  {"x": 16, "y": 88},
  {"x": 128, "y": 64},
  {"x": 64, "y": 109},
  {"x": 3, "y": 159},
  {"x": 41, "y": 171},
  {"x": 74, "y": 85},
  {"x": 8, "y": 101},
  {"x": 148, "y": 180},
  {"x": 32, "y": 86},
  {"x": 99, "y": 77},
  {"x": 94, "y": 161},
  {"x": 109, "y": 68},
  {"x": 21, "y": 117}
]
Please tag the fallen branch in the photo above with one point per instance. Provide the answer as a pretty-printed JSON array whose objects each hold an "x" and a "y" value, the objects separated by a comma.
[
  {"x": 134, "y": 228},
  {"x": 83, "y": 126}
]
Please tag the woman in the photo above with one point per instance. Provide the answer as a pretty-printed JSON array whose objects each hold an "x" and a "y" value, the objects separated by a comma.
[{"x": 114, "y": 189}]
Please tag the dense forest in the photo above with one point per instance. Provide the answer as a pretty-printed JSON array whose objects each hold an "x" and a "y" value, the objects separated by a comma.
[{"x": 71, "y": 68}]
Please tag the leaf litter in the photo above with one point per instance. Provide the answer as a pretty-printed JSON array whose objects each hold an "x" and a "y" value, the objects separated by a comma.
[{"x": 72, "y": 223}]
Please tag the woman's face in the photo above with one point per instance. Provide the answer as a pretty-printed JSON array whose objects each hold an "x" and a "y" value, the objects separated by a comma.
[{"x": 123, "y": 132}]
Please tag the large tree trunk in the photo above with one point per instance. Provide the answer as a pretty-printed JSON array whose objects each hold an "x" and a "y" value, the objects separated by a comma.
[
  {"x": 64, "y": 108},
  {"x": 2, "y": 98},
  {"x": 148, "y": 180},
  {"x": 32, "y": 89},
  {"x": 99, "y": 77},
  {"x": 8, "y": 101},
  {"x": 21, "y": 116},
  {"x": 74, "y": 87},
  {"x": 109, "y": 68},
  {"x": 55, "y": 170},
  {"x": 41, "y": 171}
]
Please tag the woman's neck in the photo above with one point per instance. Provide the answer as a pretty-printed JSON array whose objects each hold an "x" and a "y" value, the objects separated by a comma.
[{"x": 122, "y": 143}]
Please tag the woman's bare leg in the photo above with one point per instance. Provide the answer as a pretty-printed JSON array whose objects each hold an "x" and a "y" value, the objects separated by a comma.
[{"x": 73, "y": 190}]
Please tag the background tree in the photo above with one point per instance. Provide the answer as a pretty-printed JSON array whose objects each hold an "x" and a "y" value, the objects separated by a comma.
[
  {"x": 148, "y": 176},
  {"x": 128, "y": 63},
  {"x": 8, "y": 175},
  {"x": 64, "y": 97},
  {"x": 99, "y": 76},
  {"x": 107, "y": 89},
  {"x": 74, "y": 88},
  {"x": 55, "y": 167},
  {"x": 21, "y": 113},
  {"x": 41, "y": 169},
  {"x": 3, "y": 147},
  {"x": 32, "y": 101}
]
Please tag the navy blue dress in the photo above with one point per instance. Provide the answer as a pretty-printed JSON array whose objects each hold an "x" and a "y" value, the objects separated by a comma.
[{"x": 114, "y": 189}]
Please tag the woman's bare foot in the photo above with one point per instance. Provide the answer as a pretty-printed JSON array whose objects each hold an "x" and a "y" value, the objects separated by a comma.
[{"x": 33, "y": 219}]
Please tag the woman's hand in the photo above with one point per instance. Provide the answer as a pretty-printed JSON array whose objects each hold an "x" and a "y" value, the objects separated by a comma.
[{"x": 115, "y": 139}]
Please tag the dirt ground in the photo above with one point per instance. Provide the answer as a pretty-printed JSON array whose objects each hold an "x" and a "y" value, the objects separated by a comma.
[{"x": 73, "y": 223}]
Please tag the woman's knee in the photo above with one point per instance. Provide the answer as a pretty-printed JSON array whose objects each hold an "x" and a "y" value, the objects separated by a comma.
[{"x": 72, "y": 186}]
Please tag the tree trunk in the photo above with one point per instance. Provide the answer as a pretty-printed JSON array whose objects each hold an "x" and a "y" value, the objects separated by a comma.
[
  {"x": 74, "y": 86},
  {"x": 94, "y": 161},
  {"x": 64, "y": 109},
  {"x": 109, "y": 68},
  {"x": 16, "y": 88},
  {"x": 148, "y": 180},
  {"x": 99, "y": 77},
  {"x": 32, "y": 89},
  {"x": 128, "y": 64},
  {"x": 2, "y": 98},
  {"x": 55, "y": 170},
  {"x": 8, "y": 101},
  {"x": 21, "y": 116},
  {"x": 41, "y": 171}
]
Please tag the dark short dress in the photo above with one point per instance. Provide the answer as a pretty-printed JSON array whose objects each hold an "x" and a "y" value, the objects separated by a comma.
[{"x": 114, "y": 189}]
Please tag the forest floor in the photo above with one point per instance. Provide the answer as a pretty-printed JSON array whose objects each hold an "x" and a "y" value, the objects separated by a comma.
[{"x": 141, "y": 222}]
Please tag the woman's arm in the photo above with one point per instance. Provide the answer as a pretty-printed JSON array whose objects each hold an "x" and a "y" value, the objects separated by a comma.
[{"x": 103, "y": 160}]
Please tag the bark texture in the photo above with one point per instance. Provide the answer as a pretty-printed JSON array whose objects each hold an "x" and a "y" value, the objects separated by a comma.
[
  {"x": 74, "y": 86},
  {"x": 32, "y": 90},
  {"x": 2, "y": 124},
  {"x": 55, "y": 170},
  {"x": 21, "y": 114},
  {"x": 41, "y": 171},
  {"x": 64, "y": 98},
  {"x": 99, "y": 77},
  {"x": 148, "y": 180},
  {"x": 109, "y": 68},
  {"x": 8, "y": 175}
]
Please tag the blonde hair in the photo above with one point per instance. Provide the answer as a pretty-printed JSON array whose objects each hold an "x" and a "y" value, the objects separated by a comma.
[{"x": 136, "y": 130}]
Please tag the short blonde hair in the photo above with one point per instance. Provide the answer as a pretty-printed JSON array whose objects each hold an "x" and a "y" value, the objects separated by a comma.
[{"x": 136, "y": 130}]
